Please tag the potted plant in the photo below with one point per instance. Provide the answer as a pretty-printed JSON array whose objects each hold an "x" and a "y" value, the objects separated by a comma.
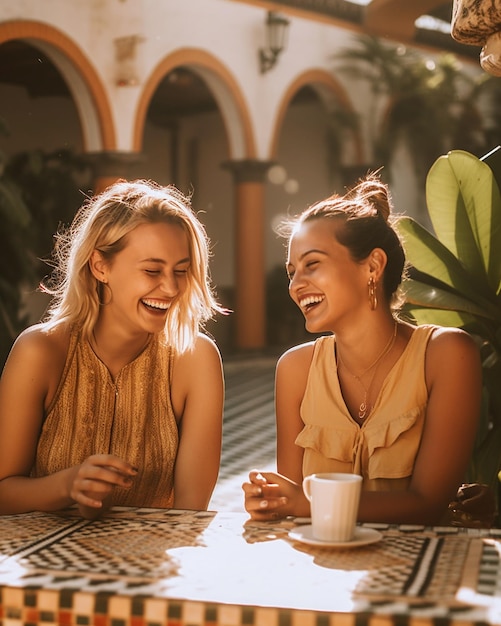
[{"x": 455, "y": 279}]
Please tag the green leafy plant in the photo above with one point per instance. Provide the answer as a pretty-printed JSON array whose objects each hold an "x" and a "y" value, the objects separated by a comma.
[
  {"x": 51, "y": 184},
  {"x": 455, "y": 279},
  {"x": 39, "y": 191},
  {"x": 17, "y": 265},
  {"x": 432, "y": 103}
]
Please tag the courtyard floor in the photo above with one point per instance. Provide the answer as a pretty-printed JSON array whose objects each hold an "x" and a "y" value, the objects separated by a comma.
[{"x": 248, "y": 428}]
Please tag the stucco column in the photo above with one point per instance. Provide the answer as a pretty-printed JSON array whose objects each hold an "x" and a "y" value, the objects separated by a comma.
[
  {"x": 109, "y": 166},
  {"x": 250, "y": 275}
]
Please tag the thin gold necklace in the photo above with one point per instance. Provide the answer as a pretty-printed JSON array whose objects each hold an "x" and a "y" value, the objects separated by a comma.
[{"x": 363, "y": 409}]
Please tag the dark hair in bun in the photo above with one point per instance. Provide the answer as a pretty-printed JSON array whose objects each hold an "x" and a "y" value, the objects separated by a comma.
[{"x": 363, "y": 222}]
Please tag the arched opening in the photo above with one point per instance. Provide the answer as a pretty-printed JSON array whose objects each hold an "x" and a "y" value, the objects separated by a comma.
[
  {"x": 185, "y": 143},
  {"x": 315, "y": 120},
  {"x": 42, "y": 146}
]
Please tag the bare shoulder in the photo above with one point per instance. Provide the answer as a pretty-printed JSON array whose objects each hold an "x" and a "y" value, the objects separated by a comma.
[
  {"x": 204, "y": 350},
  {"x": 206, "y": 344},
  {"x": 293, "y": 367},
  {"x": 298, "y": 356},
  {"x": 203, "y": 358},
  {"x": 452, "y": 351},
  {"x": 37, "y": 357},
  {"x": 448, "y": 341},
  {"x": 41, "y": 346}
]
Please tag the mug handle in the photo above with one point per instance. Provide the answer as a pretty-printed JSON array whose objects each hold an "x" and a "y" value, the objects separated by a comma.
[{"x": 306, "y": 487}]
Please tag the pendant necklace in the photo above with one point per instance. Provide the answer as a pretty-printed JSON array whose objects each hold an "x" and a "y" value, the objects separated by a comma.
[{"x": 363, "y": 409}]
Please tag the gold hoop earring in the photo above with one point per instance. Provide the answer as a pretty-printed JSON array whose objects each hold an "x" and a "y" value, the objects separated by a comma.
[
  {"x": 372, "y": 293},
  {"x": 100, "y": 288}
]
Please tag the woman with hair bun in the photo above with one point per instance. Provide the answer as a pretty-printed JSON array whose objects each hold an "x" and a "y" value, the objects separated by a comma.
[
  {"x": 116, "y": 398},
  {"x": 374, "y": 395}
]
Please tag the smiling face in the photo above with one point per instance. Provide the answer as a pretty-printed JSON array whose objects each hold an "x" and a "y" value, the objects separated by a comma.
[
  {"x": 325, "y": 282},
  {"x": 145, "y": 277}
]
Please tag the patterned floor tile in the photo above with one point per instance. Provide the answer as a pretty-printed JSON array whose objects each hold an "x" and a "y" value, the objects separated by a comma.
[{"x": 248, "y": 429}]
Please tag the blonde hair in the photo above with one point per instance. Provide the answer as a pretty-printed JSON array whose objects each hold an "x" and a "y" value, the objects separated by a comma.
[{"x": 103, "y": 223}]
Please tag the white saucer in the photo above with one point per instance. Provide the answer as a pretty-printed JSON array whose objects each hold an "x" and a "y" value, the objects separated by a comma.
[{"x": 362, "y": 537}]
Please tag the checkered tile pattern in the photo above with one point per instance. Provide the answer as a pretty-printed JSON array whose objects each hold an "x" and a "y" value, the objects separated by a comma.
[
  {"x": 124, "y": 570},
  {"x": 248, "y": 429}
]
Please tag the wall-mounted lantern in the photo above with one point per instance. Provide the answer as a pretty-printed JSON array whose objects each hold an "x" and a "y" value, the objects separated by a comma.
[{"x": 277, "y": 28}]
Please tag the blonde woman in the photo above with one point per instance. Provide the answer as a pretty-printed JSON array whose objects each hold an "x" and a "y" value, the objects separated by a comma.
[{"x": 116, "y": 398}]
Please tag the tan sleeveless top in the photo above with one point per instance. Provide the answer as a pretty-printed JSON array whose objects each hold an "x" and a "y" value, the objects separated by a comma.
[
  {"x": 131, "y": 417},
  {"x": 383, "y": 449}
]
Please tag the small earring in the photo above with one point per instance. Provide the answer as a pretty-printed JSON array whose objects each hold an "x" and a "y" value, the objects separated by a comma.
[{"x": 372, "y": 293}]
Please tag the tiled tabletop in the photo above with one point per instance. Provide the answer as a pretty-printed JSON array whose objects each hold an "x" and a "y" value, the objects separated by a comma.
[{"x": 147, "y": 567}]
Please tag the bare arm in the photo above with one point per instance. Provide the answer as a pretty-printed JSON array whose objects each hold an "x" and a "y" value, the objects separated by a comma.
[
  {"x": 290, "y": 386},
  {"x": 198, "y": 398},
  {"x": 29, "y": 378},
  {"x": 267, "y": 493},
  {"x": 23, "y": 390}
]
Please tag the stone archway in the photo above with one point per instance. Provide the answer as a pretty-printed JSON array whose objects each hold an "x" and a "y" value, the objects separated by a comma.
[
  {"x": 305, "y": 123},
  {"x": 224, "y": 88},
  {"x": 89, "y": 96},
  {"x": 231, "y": 207}
]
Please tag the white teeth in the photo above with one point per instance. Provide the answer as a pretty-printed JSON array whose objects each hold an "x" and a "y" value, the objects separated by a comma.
[
  {"x": 310, "y": 300},
  {"x": 155, "y": 304}
]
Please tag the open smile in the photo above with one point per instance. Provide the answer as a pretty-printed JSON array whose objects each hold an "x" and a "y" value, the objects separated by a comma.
[
  {"x": 310, "y": 302},
  {"x": 157, "y": 306}
]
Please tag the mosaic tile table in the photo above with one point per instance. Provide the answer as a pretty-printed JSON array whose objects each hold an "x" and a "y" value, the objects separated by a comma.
[{"x": 146, "y": 567}]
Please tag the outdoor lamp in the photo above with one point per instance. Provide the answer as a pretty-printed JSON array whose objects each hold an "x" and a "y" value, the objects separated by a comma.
[{"x": 276, "y": 36}]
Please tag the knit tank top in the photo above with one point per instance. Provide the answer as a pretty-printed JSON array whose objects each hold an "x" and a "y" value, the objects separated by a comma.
[
  {"x": 130, "y": 417},
  {"x": 383, "y": 449}
]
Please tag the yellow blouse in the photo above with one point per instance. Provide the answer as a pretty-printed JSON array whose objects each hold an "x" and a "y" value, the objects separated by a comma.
[
  {"x": 383, "y": 449},
  {"x": 131, "y": 417}
]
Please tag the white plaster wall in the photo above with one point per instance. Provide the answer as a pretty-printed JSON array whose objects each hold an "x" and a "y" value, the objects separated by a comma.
[{"x": 230, "y": 31}]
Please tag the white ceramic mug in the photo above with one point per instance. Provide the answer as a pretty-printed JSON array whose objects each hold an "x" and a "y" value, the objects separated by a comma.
[{"x": 334, "y": 501}]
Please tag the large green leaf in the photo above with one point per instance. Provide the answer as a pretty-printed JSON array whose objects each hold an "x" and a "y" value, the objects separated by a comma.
[
  {"x": 464, "y": 204},
  {"x": 441, "y": 317},
  {"x": 431, "y": 296},
  {"x": 427, "y": 254},
  {"x": 455, "y": 280}
]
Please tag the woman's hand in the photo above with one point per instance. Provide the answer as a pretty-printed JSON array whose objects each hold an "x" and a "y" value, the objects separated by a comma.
[
  {"x": 94, "y": 480},
  {"x": 270, "y": 496}
]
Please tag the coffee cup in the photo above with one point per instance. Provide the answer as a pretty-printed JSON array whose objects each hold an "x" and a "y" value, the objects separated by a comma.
[{"x": 334, "y": 499}]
